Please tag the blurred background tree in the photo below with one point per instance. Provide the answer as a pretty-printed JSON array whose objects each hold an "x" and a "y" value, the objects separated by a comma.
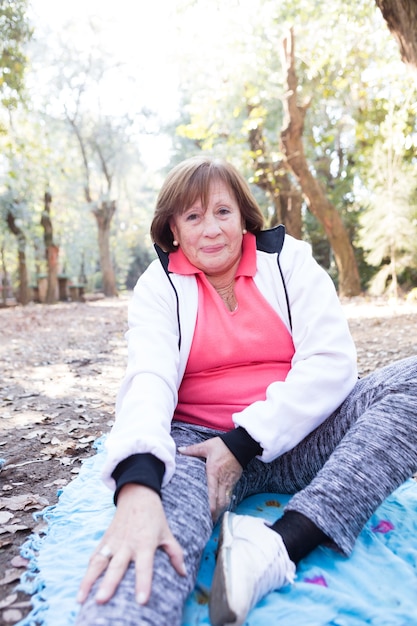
[{"x": 95, "y": 110}]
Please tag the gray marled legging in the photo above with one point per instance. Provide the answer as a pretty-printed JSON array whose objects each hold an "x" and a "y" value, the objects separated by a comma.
[{"x": 339, "y": 474}]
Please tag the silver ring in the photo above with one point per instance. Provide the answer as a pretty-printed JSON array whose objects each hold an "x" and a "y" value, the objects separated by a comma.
[{"x": 106, "y": 552}]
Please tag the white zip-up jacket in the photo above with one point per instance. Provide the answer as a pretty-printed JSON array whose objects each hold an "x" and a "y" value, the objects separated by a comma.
[{"x": 162, "y": 318}]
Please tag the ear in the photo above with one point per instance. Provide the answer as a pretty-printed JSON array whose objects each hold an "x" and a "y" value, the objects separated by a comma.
[{"x": 173, "y": 228}]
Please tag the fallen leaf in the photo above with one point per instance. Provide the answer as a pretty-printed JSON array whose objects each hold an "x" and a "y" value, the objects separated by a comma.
[
  {"x": 19, "y": 561},
  {"x": 10, "y": 576},
  {"x": 23, "y": 502},
  {"x": 5, "y": 516},
  {"x": 86, "y": 439},
  {"x": 12, "y": 616},
  {"x": 65, "y": 460},
  {"x": 8, "y": 600},
  {"x": 12, "y": 528},
  {"x": 25, "y": 604},
  {"x": 7, "y": 541},
  {"x": 73, "y": 425},
  {"x": 33, "y": 434}
]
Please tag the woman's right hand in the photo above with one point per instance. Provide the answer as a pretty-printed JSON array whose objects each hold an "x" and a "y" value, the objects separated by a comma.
[{"x": 138, "y": 529}]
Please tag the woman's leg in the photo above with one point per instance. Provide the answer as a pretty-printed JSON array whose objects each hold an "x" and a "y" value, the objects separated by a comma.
[
  {"x": 186, "y": 506},
  {"x": 374, "y": 457},
  {"x": 342, "y": 472},
  {"x": 345, "y": 468}
]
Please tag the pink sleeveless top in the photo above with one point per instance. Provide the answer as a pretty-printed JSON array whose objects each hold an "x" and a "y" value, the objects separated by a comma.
[{"x": 234, "y": 355}]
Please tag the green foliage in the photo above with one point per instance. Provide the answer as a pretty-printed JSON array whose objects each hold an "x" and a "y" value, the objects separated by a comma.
[
  {"x": 140, "y": 261},
  {"x": 42, "y": 152},
  {"x": 350, "y": 73},
  {"x": 15, "y": 33},
  {"x": 389, "y": 226}
]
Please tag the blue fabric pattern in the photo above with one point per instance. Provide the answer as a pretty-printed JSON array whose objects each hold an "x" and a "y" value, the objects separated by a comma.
[{"x": 377, "y": 585}]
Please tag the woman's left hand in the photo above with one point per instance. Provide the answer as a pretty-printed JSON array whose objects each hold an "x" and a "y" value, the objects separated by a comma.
[{"x": 223, "y": 471}]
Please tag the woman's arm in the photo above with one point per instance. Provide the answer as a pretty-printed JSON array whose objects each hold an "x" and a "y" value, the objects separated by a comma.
[
  {"x": 323, "y": 369},
  {"x": 138, "y": 528},
  {"x": 139, "y": 446},
  {"x": 148, "y": 394}
]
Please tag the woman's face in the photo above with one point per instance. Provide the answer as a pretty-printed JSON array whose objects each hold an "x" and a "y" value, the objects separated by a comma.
[{"x": 211, "y": 238}]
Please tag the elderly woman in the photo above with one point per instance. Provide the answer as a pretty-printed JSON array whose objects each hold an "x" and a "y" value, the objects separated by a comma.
[{"x": 241, "y": 379}]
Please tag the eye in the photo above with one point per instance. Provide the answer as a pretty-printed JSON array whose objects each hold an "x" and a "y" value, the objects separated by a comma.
[
  {"x": 224, "y": 210},
  {"x": 191, "y": 217}
]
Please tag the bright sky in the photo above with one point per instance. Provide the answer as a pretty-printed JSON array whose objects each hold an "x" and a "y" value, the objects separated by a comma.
[
  {"x": 151, "y": 35},
  {"x": 150, "y": 38},
  {"x": 138, "y": 34}
]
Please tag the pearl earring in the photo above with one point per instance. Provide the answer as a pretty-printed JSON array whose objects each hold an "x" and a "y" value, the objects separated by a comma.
[
  {"x": 175, "y": 243},
  {"x": 244, "y": 231}
]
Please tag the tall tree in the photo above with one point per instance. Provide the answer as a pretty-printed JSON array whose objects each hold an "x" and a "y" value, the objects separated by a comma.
[
  {"x": 51, "y": 250},
  {"x": 272, "y": 176},
  {"x": 218, "y": 119},
  {"x": 103, "y": 207},
  {"x": 401, "y": 17},
  {"x": 82, "y": 92},
  {"x": 12, "y": 210},
  {"x": 15, "y": 33},
  {"x": 316, "y": 198},
  {"x": 389, "y": 226}
]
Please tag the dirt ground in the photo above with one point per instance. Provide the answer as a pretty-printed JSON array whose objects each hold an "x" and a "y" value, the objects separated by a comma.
[{"x": 61, "y": 366}]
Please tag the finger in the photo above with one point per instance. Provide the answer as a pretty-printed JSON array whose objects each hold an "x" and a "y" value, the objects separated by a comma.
[
  {"x": 197, "y": 449},
  {"x": 176, "y": 555},
  {"x": 144, "y": 571},
  {"x": 115, "y": 571},
  {"x": 96, "y": 567},
  {"x": 221, "y": 505},
  {"x": 213, "y": 495},
  {"x": 223, "y": 499}
]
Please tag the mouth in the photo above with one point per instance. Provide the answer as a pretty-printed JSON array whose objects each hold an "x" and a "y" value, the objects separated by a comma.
[{"x": 212, "y": 249}]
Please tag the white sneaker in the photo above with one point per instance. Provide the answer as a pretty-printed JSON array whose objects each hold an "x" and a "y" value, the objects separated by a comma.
[{"x": 252, "y": 560}]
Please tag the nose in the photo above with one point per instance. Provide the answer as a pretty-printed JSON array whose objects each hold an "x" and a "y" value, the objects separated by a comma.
[{"x": 211, "y": 225}]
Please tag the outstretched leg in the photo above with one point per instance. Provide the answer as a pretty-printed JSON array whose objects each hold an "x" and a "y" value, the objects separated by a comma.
[
  {"x": 185, "y": 501},
  {"x": 340, "y": 474},
  {"x": 375, "y": 455}
]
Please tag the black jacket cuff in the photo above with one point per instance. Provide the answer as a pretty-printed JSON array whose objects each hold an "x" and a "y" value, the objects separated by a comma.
[
  {"x": 242, "y": 445},
  {"x": 140, "y": 469}
]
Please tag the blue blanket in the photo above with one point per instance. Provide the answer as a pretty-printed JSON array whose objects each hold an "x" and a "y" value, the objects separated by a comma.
[{"x": 376, "y": 585}]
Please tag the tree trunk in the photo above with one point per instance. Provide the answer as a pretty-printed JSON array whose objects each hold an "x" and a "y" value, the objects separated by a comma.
[
  {"x": 4, "y": 278},
  {"x": 104, "y": 215},
  {"x": 318, "y": 203},
  {"x": 51, "y": 251},
  {"x": 401, "y": 17},
  {"x": 23, "y": 291},
  {"x": 291, "y": 201},
  {"x": 272, "y": 177}
]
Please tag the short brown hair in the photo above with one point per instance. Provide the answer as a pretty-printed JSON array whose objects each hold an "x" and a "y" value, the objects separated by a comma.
[{"x": 189, "y": 181}]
